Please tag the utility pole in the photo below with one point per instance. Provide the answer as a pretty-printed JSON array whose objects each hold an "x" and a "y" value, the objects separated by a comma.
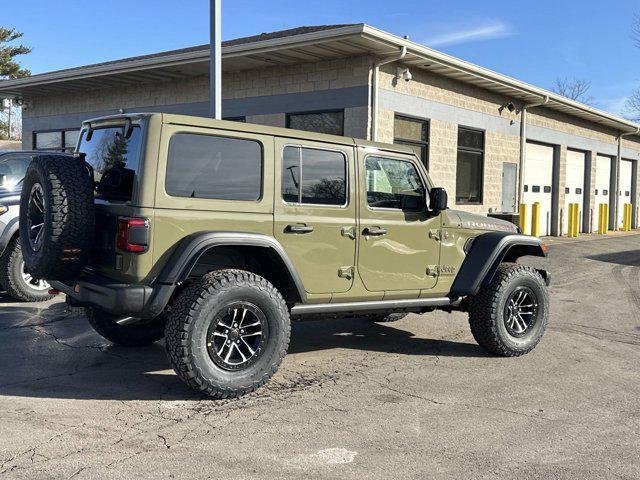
[
  {"x": 9, "y": 115},
  {"x": 215, "y": 72}
]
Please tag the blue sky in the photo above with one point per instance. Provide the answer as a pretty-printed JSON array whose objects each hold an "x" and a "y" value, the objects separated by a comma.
[{"x": 533, "y": 40}]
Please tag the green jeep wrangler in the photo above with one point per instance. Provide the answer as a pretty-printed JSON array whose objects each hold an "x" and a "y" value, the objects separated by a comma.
[{"x": 215, "y": 234}]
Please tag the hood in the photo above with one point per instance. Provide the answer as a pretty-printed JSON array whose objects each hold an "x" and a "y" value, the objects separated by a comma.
[{"x": 472, "y": 221}]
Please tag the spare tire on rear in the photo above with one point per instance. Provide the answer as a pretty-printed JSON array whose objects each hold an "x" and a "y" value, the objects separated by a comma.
[{"x": 56, "y": 217}]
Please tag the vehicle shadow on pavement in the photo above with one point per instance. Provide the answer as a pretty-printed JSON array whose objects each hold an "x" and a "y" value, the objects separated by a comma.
[
  {"x": 630, "y": 258},
  {"x": 363, "y": 334},
  {"x": 48, "y": 352}
]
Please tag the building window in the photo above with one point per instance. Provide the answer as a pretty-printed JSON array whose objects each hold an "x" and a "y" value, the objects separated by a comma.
[
  {"x": 58, "y": 140},
  {"x": 413, "y": 133},
  {"x": 222, "y": 168},
  {"x": 314, "y": 177},
  {"x": 331, "y": 122},
  {"x": 470, "y": 166}
]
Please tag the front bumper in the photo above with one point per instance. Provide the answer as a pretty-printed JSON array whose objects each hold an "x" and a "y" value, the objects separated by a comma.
[{"x": 127, "y": 300}]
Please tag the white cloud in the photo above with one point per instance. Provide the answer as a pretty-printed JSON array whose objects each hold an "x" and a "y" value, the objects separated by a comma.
[
  {"x": 613, "y": 105},
  {"x": 487, "y": 30}
]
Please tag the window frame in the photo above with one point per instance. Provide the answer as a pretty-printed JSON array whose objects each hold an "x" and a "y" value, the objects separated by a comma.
[
  {"x": 262, "y": 168},
  {"x": 301, "y": 147},
  {"x": 316, "y": 112},
  {"x": 408, "y": 142},
  {"x": 62, "y": 132},
  {"x": 415, "y": 161},
  {"x": 482, "y": 162}
]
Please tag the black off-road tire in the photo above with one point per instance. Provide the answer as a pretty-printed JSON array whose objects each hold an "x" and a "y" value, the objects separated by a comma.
[
  {"x": 191, "y": 316},
  {"x": 487, "y": 311},
  {"x": 11, "y": 276},
  {"x": 68, "y": 216},
  {"x": 386, "y": 317},
  {"x": 133, "y": 335}
]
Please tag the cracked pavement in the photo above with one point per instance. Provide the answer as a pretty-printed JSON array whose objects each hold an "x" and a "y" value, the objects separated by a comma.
[{"x": 412, "y": 399}]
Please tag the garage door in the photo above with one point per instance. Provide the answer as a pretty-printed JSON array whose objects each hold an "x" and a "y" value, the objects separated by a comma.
[
  {"x": 574, "y": 185},
  {"x": 624, "y": 195},
  {"x": 537, "y": 184},
  {"x": 603, "y": 184}
]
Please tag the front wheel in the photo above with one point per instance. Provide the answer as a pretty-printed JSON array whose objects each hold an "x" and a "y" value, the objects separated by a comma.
[
  {"x": 227, "y": 333},
  {"x": 17, "y": 281},
  {"x": 509, "y": 315}
]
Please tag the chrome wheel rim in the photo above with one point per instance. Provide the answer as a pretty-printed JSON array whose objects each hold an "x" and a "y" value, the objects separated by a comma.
[
  {"x": 237, "y": 336},
  {"x": 520, "y": 311},
  {"x": 31, "y": 282},
  {"x": 36, "y": 217}
]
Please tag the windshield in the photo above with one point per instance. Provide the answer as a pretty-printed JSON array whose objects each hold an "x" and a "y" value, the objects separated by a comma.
[
  {"x": 114, "y": 160},
  {"x": 12, "y": 170}
]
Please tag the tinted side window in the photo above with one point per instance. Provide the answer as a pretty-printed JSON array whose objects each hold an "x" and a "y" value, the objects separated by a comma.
[
  {"x": 311, "y": 176},
  {"x": 222, "y": 168}
]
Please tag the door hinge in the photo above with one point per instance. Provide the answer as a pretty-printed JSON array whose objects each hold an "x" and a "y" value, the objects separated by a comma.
[
  {"x": 434, "y": 234},
  {"x": 346, "y": 272},
  {"x": 348, "y": 232}
]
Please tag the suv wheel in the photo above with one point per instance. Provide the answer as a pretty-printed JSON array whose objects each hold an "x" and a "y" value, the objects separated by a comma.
[
  {"x": 132, "y": 335},
  {"x": 227, "y": 333},
  {"x": 386, "y": 317},
  {"x": 509, "y": 315},
  {"x": 17, "y": 282}
]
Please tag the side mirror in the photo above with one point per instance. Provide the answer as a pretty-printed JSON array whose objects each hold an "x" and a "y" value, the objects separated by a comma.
[{"x": 438, "y": 199}]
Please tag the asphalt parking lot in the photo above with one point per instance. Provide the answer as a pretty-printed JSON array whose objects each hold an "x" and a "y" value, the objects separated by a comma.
[{"x": 413, "y": 399}]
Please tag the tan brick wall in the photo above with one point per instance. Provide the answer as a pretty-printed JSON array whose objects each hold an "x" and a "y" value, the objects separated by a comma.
[{"x": 340, "y": 73}]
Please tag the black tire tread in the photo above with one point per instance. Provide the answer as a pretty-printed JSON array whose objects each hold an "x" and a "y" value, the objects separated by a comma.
[
  {"x": 67, "y": 245},
  {"x": 182, "y": 315},
  {"x": 483, "y": 309},
  {"x": 9, "y": 262}
]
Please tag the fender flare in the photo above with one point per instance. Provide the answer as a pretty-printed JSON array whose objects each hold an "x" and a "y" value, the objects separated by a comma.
[
  {"x": 8, "y": 233},
  {"x": 486, "y": 254},
  {"x": 192, "y": 247}
]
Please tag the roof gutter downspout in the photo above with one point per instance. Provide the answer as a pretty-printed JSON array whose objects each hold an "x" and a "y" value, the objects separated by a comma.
[
  {"x": 374, "y": 87},
  {"x": 523, "y": 145},
  {"x": 613, "y": 214}
]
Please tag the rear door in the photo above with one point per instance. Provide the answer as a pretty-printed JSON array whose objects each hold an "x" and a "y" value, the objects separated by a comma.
[{"x": 315, "y": 212}]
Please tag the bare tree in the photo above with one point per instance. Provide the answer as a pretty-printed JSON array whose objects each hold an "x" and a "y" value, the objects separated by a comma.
[
  {"x": 574, "y": 88},
  {"x": 632, "y": 106}
]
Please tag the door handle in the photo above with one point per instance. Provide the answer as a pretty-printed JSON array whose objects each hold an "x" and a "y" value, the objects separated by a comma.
[
  {"x": 298, "y": 229},
  {"x": 374, "y": 231}
]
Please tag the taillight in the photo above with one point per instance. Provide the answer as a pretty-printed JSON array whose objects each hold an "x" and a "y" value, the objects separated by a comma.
[{"x": 133, "y": 234}]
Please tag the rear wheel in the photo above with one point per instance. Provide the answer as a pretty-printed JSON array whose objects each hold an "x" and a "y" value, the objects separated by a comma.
[
  {"x": 509, "y": 315},
  {"x": 137, "y": 334},
  {"x": 18, "y": 283},
  {"x": 227, "y": 333}
]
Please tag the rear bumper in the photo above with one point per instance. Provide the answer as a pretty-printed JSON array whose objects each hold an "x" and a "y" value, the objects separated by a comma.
[{"x": 129, "y": 300}]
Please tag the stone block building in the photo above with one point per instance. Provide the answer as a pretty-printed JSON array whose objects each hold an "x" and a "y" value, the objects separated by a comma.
[{"x": 493, "y": 141}]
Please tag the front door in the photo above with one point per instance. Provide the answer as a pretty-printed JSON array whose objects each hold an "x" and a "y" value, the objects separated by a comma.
[
  {"x": 398, "y": 237},
  {"x": 509, "y": 182},
  {"x": 315, "y": 212}
]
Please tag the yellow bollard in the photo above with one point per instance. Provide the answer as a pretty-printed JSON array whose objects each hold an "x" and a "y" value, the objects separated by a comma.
[
  {"x": 576, "y": 219},
  {"x": 602, "y": 220},
  {"x": 570, "y": 220},
  {"x": 626, "y": 219},
  {"x": 523, "y": 218},
  {"x": 535, "y": 219},
  {"x": 573, "y": 220}
]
